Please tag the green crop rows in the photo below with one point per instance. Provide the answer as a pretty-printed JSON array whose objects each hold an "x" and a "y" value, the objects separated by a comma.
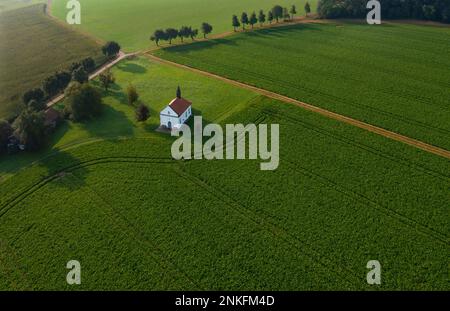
[
  {"x": 393, "y": 76},
  {"x": 136, "y": 219}
]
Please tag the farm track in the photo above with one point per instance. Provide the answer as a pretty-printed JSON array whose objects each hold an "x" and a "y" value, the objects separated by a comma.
[
  {"x": 335, "y": 99},
  {"x": 125, "y": 226},
  {"x": 382, "y": 154},
  {"x": 329, "y": 114},
  {"x": 338, "y": 117}
]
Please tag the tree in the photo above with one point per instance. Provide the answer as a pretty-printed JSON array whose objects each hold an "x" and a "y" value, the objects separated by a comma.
[
  {"x": 158, "y": 35},
  {"x": 206, "y": 29},
  {"x": 193, "y": 33},
  {"x": 88, "y": 64},
  {"x": 36, "y": 94},
  {"x": 36, "y": 105},
  {"x": 184, "y": 32},
  {"x": 51, "y": 86},
  {"x": 6, "y": 131},
  {"x": 244, "y": 20},
  {"x": 111, "y": 49},
  {"x": 261, "y": 17},
  {"x": 132, "y": 94},
  {"x": 293, "y": 11},
  {"x": 429, "y": 11},
  {"x": 307, "y": 8},
  {"x": 270, "y": 17},
  {"x": 171, "y": 34},
  {"x": 72, "y": 89},
  {"x": 83, "y": 102},
  {"x": 80, "y": 75},
  {"x": 236, "y": 22},
  {"x": 286, "y": 15},
  {"x": 277, "y": 12},
  {"x": 74, "y": 66},
  {"x": 142, "y": 113},
  {"x": 30, "y": 128},
  {"x": 106, "y": 79},
  {"x": 64, "y": 78},
  {"x": 253, "y": 19}
]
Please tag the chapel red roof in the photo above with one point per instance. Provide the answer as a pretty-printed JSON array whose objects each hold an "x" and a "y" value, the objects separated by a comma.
[{"x": 180, "y": 105}]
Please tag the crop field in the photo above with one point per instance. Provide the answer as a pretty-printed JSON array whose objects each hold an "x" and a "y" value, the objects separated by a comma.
[
  {"x": 341, "y": 197},
  {"x": 394, "y": 76},
  {"x": 7, "y": 5},
  {"x": 132, "y": 22},
  {"x": 32, "y": 47}
]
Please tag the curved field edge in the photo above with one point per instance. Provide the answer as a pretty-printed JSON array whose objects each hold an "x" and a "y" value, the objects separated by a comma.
[
  {"x": 341, "y": 197},
  {"x": 351, "y": 69},
  {"x": 295, "y": 230},
  {"x": 131, "y": 25},
  {"x": 32, "y": 47}
]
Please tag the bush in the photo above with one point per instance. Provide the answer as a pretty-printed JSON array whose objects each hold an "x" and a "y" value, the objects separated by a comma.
[
  {"x": 132, "y": 93},
  {"x": 142, "y": 113},
  {"x": 106, "y": 79}
]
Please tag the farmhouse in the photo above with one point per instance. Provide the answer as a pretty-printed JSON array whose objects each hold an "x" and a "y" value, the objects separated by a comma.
[{"x": 176, "y": 113}]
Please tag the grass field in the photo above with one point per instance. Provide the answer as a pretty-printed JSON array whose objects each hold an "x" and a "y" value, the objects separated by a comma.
[
  {"x": 341, "y": 197},
  {"x": 132, "y": 22},
  {"x": 32, "y": 47},
  {"x": 8, "y": 5},
  {"x": 394, "y": 76}
]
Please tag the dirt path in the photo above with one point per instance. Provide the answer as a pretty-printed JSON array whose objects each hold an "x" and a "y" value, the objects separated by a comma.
[
  {"x": 332, "y": 115},
  {"x": 329, "y": 114},
  {"x": 105, "y": 67}
]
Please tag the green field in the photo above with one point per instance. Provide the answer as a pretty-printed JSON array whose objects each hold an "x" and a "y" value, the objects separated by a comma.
[
  {"x": 132, "y": 22},
  {"x": 32, "y": 47},
  {"x": 393, "y": 76},
  {"x": 102, "y": 194},
  {"x": 8, "y": 5}
]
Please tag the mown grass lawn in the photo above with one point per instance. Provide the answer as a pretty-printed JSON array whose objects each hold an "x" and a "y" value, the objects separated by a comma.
[
  {"x": 33, "y": 47},
  {"x": 104, "y": 195},
  {"x": 393, "y": 76},
  {"x": 132, "y": 22}
]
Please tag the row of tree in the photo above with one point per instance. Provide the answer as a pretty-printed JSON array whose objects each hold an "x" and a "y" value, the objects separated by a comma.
[
  {"x": 435, "y": 10},
  {"x": 58, "y": 82},
  {"x": 183, "y": 33},
  {"x": 275, "y": 14},
  {"x": 83, "y": 101}
]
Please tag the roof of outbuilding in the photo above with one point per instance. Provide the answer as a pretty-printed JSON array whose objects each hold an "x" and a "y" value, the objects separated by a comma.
[{"x": 180, "y": 105}]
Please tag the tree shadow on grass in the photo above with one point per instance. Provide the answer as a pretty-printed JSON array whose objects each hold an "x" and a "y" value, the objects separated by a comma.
[
  {"x": 199, "y": 45},
  {"x": 132, "y": 67},
  {"x": 280, "y": 32}
]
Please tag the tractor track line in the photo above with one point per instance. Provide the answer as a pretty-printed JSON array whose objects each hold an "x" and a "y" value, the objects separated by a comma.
[{"x": 329, "y": 114}]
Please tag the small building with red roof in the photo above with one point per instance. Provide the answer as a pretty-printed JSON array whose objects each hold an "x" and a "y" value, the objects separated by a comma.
[{"x": 176, "y": 113}]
